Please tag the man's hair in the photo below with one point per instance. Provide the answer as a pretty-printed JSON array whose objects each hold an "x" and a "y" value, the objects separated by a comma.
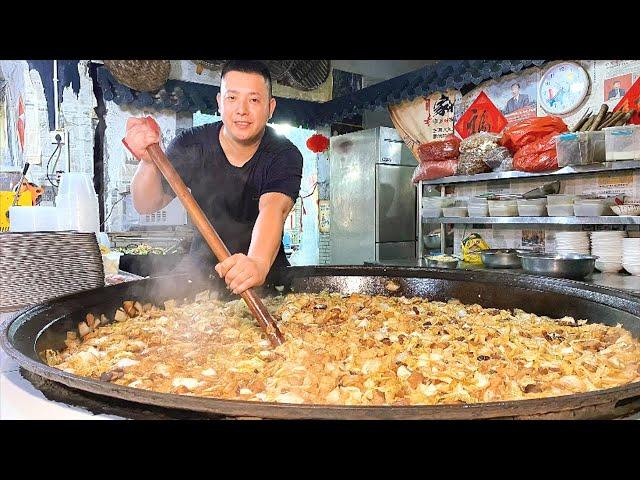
[
  {"x": 516, "y": 85},
  {"x": 249, "y": 66}
]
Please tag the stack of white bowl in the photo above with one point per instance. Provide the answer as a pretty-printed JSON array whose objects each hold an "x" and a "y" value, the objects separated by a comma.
[
  {"x": 77, "y": 203},
  {"x": 572, "y": 242},
  {"x": 631, "y": 255},
  {"x": 607, "y": 246}
]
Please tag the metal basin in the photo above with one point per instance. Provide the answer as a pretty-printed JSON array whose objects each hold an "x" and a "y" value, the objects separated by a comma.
[
  {"x": 441, "y": 263},
  {"x": 431, "y": 241},
  {"x": 500, "y": 258},
  {"x": 571, "y": 265},
  {"x": 45, "y": 326}
]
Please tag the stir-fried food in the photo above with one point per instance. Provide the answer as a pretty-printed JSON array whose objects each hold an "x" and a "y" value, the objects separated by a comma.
[{"x": 350, "y": 349}]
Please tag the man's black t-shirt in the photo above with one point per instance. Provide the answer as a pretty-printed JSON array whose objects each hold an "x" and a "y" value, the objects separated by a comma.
[{"x": 229, "y": 195}]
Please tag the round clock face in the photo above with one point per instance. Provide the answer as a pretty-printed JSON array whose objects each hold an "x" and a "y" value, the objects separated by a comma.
[{"x": 563, "y": 87}]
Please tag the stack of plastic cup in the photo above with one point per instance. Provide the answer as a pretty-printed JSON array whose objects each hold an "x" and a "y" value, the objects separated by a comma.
[{"x": 77, "y": 203}]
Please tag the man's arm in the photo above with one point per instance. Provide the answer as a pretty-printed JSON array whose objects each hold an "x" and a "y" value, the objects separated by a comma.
[
  {"x": 240, "y": 271},
  {"x": 267, "y": 232},
  {"x": 146, "y": 189}
]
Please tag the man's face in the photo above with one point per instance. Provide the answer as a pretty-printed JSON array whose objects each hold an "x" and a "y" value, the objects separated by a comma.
[
  {"x": 616, "y": 85},
  {"x": 245, "y": 105},
  {"x": 515, "y": 90}
]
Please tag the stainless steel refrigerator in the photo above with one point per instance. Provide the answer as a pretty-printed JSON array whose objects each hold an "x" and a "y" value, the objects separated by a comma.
[{"x": 373, "y": 202}]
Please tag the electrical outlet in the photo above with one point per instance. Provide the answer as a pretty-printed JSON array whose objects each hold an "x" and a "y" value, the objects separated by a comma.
[{"x": 58, "y": 136}]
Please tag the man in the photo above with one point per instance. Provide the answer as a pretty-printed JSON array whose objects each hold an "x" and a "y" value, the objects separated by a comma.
[
  {"x": 244, "y": 176},
  {"x": 616, "y": 91},
  {"x": 517, "y": 101}
]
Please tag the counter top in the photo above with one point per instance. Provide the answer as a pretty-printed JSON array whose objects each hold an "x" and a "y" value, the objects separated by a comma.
[{"x": 619, "y": 281}]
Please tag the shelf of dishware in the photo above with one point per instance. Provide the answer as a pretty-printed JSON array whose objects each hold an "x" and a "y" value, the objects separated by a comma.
[
  {"x": 569, "y": 170},
  {"x": 604, "y": 220}
]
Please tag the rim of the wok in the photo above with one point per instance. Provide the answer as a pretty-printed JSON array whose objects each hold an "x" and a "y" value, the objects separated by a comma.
[{"x": 603, "y": 403}]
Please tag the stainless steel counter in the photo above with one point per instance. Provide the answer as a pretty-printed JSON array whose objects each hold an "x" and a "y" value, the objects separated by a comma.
[{"x": 619, "y": 281}]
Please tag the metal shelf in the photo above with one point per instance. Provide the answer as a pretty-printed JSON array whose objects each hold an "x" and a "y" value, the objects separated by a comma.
[
  {"x": 569, "y": 170},
  {"x": 536, "y": 220}
]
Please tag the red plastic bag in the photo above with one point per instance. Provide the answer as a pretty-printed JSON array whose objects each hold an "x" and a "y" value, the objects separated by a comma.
[
  {"x": 537, "y": 156},
  {"x": 529, "y": 130},
  {"x": 431, "y": 170},
  {"x": 439, "y": 150}
]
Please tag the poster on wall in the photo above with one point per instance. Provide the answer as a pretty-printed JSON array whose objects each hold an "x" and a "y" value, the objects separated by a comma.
[
  {"x": 618, "y": 184},
  {"x": 516, "y": 98},
  {"x": 614, "y": 79},
  {"x": 631, "y": 101},
  {"x": 323, "y": 216},
  {"x": 13, "y": 73},
  {"x": 4, "y": 139},
  {"x": 481, "y": 116},
  {"x": 424, "y": 119}
]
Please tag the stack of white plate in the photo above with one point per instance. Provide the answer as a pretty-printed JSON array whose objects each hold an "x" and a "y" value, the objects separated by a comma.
[
  {"x": 572, "y": 242},
  {"x": 631, "y": 255},
  {"x": 38, "y": 266},
  {"x": 607, "y": 246}
]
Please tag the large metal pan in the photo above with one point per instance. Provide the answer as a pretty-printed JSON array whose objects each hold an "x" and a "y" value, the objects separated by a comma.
[{"x": 44, "y": 326}]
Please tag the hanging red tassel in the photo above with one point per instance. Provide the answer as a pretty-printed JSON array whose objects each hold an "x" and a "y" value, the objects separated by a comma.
[{"x": 317, "y": 143}]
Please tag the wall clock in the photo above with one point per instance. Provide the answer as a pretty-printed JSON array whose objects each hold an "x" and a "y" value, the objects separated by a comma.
[{"x": 563, "y": 87}]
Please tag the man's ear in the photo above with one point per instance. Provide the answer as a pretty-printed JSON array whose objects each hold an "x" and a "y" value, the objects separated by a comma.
[
  {"x": 218, "y": 97},
  {"x": 272, "y": 106}
]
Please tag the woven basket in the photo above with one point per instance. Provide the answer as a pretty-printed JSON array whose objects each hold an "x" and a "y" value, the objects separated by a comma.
[
  {"x": 278, "y": 68},
  {"x": 141, "y": 75},
  {"x": 210, "y": 64},
  {"x": 307, "y": 74}
]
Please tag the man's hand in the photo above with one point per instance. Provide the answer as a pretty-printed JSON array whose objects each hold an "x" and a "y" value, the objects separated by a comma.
[
  {"x": 139, "y": 136},
  {"x": 241, "y": 272}
]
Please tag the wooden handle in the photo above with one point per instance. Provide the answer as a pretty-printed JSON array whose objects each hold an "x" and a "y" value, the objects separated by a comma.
[{"x": 212, "y": 238}]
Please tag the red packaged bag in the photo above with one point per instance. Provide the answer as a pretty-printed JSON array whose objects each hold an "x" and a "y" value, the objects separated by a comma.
[
  {"x": 529, "y": 130},
  {"x": 537, "y": 156},
  {"x": 431, "y": 170},
  {"x": 439, "y": 150}
]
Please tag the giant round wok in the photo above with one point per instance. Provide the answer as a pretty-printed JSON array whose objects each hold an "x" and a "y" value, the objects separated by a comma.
[{"x": 44, "y": 326}]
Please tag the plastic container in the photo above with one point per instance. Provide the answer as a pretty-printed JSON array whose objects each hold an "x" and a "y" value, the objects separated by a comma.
[
  {"x": 536, "y": 207},
  {"x": 561, "y": 199},
  {"x": 80, "y": 214},
  {"x": 430, "y": 202},
  {"x": 503, "y": 208},
  {"x": 478, "y": 201},
  {"x": 560, "y": 210},
  {"x": 478, "y": 210},
  {"x": 33, "y": 219},
  {"x": 622, "y": 143},
  {"x": 454, "y": 211},
  {"x": 76, "y": 184},
  {"x": 431, "y": 212},
  {"x": 580, "y": 148},
  {"x": 589, "y": 207}
]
